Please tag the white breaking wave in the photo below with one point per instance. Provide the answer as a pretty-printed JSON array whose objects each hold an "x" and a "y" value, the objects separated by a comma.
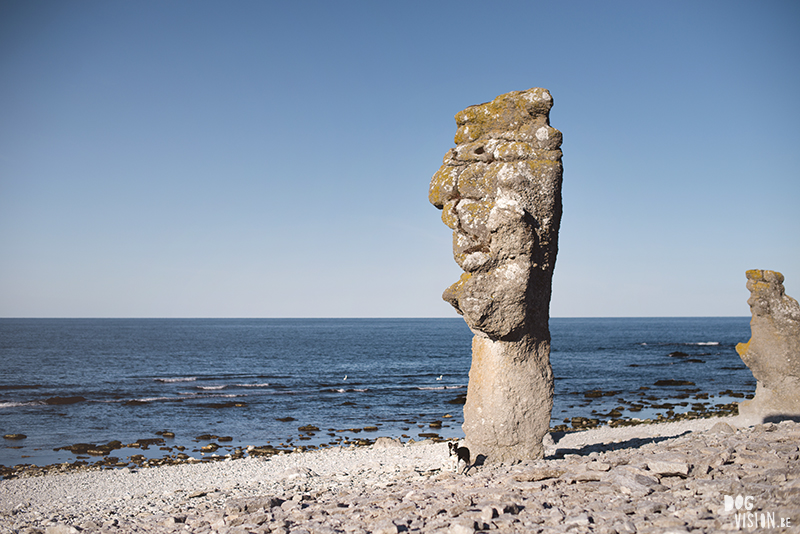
[
  {"x": 705, "y": 343},
  {"x": 150, "y": 399},
  {"x": 264, "y": 385},
  {"x": 17, "y": 404},
  {"x": 171, "y": 380},
  {"x": 211, "y": 387},
  {"x": 429, "y": 388}
]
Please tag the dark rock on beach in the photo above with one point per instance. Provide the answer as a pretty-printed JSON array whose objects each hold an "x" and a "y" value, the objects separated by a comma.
[
  {"x": 79, "y": 448},
  {"x": 266, "y": 450},
  {"x": 584, "y": 422},
  {"x": 144, "y": 443}
]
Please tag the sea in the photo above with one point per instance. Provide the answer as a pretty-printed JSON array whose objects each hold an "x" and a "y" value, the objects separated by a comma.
[{"x": 259, "y": 381}]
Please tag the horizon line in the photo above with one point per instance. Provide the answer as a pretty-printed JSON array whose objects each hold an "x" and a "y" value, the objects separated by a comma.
[{"x": 359, "y": 317}]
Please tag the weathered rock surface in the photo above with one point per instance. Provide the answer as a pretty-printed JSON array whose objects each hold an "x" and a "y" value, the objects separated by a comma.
[
  {"x": 500, "y": 192},
  {"x": 773, "y": 352}
]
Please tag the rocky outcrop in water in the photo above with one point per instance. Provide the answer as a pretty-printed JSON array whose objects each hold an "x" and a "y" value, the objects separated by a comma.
[
  {"x": 773, "y": 352},
  {"x": 500, "y": 192}
]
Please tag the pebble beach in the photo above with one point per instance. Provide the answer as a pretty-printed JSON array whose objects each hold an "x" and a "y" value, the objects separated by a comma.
[{"x": 703, "y": 475}]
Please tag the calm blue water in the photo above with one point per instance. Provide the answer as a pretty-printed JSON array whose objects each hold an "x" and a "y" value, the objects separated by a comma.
[{"x": 236, "y": 377}]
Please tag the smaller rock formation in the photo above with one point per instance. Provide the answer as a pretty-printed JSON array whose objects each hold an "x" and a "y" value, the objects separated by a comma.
[{"x": 773, "y": 352}]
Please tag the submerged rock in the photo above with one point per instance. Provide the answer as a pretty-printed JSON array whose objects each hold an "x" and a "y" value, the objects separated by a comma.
[
  {"x": 499, "y": 191},
  {"x": 773, "y": 352},
  {"x": 59, "y": 401},
  {"x": 671, "y": 382}
]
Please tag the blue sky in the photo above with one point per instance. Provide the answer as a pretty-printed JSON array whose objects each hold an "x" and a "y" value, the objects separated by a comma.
[{"x": 266, "y": 159}]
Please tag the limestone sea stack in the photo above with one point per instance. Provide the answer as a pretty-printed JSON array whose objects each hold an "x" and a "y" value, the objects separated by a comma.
[
  {"x": 773, "y": 352},
  {"x": 499, "y": 191}
]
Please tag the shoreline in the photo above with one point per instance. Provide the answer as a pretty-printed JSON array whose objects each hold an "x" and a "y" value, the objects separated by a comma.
[
  {"x": 157, "y": 452},
  {"x": 661, "y": 477}
]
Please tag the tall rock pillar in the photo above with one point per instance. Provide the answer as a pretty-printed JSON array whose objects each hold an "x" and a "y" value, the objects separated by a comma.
[
  {"x": 773, "y": 352},
  {"x": 499, "y": 191}
]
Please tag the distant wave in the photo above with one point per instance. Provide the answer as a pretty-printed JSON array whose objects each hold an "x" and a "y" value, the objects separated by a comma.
[
  {"x": 700, "y": 343},
  {"x": 203, "y": 395},
  {"x": 429, "y": 388},
  {"x": 211, "y": 387},
  {"x": 264, "y": 385},
  {"x": 181, "y": 379},
  {"x": 146, "y": 400},
  {"x": 185, "y": 397},
  {"x": 18, "y": 404}
]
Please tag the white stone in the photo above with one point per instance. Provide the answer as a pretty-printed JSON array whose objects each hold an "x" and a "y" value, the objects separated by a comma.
[{"x": 543, "y": 134}]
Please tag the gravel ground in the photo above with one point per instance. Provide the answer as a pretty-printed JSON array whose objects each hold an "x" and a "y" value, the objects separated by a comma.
[{"x": 669, "y": 477}]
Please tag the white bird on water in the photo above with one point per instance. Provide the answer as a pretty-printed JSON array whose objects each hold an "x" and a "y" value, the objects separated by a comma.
[
  {"x": 345, "y": 378},
  {"x": 440, "y": 377}
]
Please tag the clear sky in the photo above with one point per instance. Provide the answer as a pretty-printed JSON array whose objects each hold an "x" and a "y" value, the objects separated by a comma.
[{"x": 272, "y": 159}]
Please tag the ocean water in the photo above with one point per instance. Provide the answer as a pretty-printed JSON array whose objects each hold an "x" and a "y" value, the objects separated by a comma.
[{"x": 66, "y": 381}]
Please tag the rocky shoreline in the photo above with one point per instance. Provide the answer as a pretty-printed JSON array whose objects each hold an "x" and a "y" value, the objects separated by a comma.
[
  {"x": 164, "y": 450},
  {"x": 674, "y": 477}
]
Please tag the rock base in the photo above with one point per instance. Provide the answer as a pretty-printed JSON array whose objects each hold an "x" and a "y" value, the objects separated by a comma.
[{"x": 509, "y": 400}]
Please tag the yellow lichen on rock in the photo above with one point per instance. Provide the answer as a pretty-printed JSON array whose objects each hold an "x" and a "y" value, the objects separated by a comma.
[
  {"x": 741, "y": 348},
  {"x": 443, "y": 185},
  {"x": 504, "y": 116},
  {"x": 449, "y": 214},
  {"x": 514, "y": 150},
  {"x": 475, "y": 182}
]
